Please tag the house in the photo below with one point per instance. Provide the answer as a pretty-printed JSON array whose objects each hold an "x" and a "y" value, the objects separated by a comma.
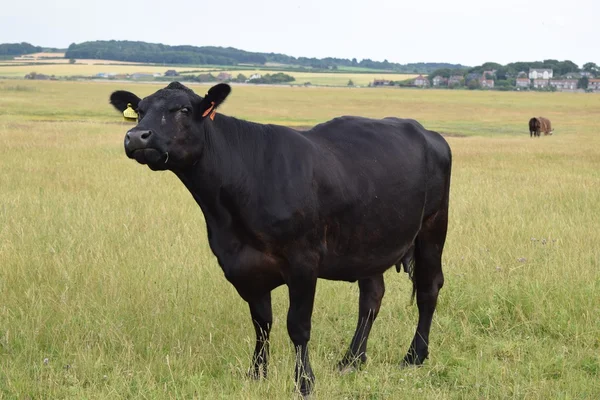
[
  {"x": 490, "y": 73},
  {"x": 486, "y": 83},
  {"x": 523, "y": 83},
  {"x": 440, "y": 81},
  {"x": 254, "y": 76},
  {"x": 382, "y": 82},
  {"x": 586, "y": 73},
  {"x": 224, "y": 76},
  {"x": 594, "y": 84},
  {"x": 573, "y": 75},
  {"x": 540, "y": 73},
  {"x": 540, "y": 83},
  {"x": 421, "y": 81},
  {"x": 564, "y": 84},
  {"x": 522, "y": 74},
  {"x": 456, "y": 80},
  {"x": 171, "y": 72}
]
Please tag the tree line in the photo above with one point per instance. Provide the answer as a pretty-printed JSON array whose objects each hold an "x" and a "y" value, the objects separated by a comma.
[
  {"x": 18, "y": 49},
  {"x": 132, "y": 51}
]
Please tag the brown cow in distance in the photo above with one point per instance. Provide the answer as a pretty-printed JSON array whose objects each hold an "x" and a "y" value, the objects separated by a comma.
[{"x": 538, "y": 125}]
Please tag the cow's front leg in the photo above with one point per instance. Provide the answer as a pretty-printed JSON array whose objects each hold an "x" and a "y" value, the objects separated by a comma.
[
  {"x": 262, "y": 319},
  {"x": 302, "y": 283}
]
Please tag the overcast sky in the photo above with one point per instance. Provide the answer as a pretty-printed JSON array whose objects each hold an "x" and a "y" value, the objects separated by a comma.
[{"x": 460, "y": 31}]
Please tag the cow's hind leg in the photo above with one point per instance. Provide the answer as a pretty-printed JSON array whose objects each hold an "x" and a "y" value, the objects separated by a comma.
[
  {"x": 262, "y": 319},
  {"x": 371, "y": 293},
  {"x": 428, "y": 280}
]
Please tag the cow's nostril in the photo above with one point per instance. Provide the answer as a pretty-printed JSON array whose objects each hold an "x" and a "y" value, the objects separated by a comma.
[{"x": 146, "y": 134}]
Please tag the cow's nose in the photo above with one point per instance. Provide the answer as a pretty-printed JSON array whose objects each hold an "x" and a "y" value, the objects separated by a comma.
[{"x": 137, "y": 139}]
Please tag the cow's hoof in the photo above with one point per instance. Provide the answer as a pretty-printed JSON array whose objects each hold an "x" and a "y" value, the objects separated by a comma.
[
  {"x": 412, "y": 361},
  {"x": 349, "y": 364}
]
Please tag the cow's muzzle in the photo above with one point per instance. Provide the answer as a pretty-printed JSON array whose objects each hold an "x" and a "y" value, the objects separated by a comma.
[{"x": 137, "y": 146}]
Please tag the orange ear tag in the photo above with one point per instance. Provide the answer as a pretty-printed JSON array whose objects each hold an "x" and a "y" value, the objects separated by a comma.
[{"x": 209, "y": 109}]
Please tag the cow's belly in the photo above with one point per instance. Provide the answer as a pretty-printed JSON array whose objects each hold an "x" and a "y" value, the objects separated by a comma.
[
  {"x": 353, "y": 251},
  {"x": 354, "y": 266}
]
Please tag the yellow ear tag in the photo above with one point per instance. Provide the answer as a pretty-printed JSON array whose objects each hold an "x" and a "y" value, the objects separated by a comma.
[{"x": 129, "y": 114}]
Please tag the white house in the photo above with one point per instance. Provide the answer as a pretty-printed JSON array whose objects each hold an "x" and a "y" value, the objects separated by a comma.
[
  {"x": 540, "y": 73},
  {"x": 421, "y": 81}
]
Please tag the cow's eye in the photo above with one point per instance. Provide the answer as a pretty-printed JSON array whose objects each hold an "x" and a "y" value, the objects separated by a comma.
[
  {"x": 140, "y": 114},
  {"x": 185, "y": 110}
]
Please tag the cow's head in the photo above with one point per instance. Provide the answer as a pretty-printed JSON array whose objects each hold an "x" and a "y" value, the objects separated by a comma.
[{"x": 171, "y": 124}]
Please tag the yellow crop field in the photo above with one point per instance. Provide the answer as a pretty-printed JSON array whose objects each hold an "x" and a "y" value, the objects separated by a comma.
[
  {"x": 61, "y": 68},
  {"x": 65, "y": 69}
]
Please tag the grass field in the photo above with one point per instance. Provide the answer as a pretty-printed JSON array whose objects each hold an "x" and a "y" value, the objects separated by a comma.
[{"x": 108, "y": 288}]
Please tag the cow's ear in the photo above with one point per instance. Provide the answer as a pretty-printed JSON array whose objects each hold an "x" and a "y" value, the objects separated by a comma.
[
  {"x": 214, "y": 98},
  {"x": 121, "y": 98}
]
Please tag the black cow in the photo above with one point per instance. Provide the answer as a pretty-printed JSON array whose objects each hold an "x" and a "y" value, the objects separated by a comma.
[{"x": 345, "y": 200}]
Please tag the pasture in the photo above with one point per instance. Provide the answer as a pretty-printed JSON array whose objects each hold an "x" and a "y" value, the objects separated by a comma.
[{"x": 108, "y": 288}]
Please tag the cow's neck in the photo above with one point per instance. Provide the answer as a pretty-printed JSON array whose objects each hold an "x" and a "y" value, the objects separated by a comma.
[{"x": 222, "y": 178}]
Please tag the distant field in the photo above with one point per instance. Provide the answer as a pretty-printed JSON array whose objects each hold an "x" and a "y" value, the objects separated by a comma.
[
  {"x": 65, "y": 69},
  {"x": 108, "y": 289},
  {"x": 41, "y": 55},
  {"x": 61, "y": 68},
  {"x": 333, "y": 79}
]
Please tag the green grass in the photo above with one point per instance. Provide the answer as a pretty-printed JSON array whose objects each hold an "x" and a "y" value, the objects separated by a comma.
[{"x": 108, "y": 288}]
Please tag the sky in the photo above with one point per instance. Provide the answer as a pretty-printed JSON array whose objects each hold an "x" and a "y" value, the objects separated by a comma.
[{"x": 460, "y": 31}]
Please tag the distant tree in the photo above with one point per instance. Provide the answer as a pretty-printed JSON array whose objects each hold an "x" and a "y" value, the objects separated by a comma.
[
  {"x": 72, "y": 61},
  {"x": 504, "y": 84},
  {"x": 473, "y": 84},
  {"x": 489, "y": 76},
  {"x": 274, "y": 78},
  {"x": 350, "y": 82},
  {"x": 591, "y": 68},
  {"x": 565, "y": 67},
  {"x": 17, "y": 49},
  {"x": 583, "y": 82},
  {"x": 501, "y": 73},
  {"x": 241, "y": 78}
]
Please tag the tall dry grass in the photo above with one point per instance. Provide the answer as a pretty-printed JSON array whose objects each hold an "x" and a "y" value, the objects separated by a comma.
[{"x": 109, "y": 290}]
